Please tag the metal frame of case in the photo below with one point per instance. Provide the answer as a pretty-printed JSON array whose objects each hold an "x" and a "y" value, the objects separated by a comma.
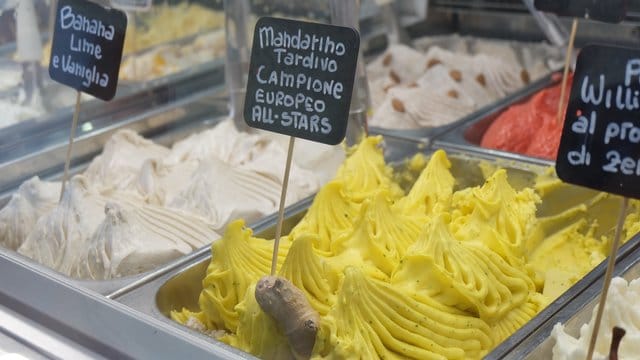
[{"x": 96, "y": 326}]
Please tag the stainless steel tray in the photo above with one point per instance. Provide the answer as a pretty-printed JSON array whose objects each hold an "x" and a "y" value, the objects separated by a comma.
[
  {"x": 162, "y": 125},
  {"x": 467, "y": 135},
  {"x": 180, "y": 286},
  {"x": 576, "y": 312},
  {"x": 61, "y": 321}
]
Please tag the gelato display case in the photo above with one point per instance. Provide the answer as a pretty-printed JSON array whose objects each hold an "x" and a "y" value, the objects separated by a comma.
[{"x": 143, "y": 238}]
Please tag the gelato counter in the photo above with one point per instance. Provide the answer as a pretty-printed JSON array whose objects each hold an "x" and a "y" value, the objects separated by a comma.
[{"x": 143, "y": 255}]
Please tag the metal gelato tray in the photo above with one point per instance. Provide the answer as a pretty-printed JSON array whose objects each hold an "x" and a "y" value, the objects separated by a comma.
[
  {"x": 161, "y": 125},
  {"x": 468, "y": 134},
  {"x": 180, "y": 286},
  {"x": 538, "y": 344}
]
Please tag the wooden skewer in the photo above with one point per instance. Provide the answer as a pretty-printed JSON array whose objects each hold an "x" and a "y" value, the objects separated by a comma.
[
  {"x": 607, "y": 277},
  {"x": 283, "y": 197},
  {"x": 565, "y": 74},
  {"x": 72, "y": 135}
]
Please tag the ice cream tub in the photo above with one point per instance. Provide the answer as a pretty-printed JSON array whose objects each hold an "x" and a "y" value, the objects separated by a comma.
[
  {"x": 180, "y": 287},
  {"x": 181, "y": 122},
  {"x": 540, "y": 139},
  {"x": 538, "y": 342}
]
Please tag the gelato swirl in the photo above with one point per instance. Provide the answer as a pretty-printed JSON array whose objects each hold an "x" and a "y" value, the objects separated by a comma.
[{"x": 438, "y": 273}]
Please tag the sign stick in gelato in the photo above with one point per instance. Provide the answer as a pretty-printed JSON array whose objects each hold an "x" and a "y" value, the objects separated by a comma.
[
  {"x": 86, "y": 52},
  {"x": 607, "y": 278},
  {"x": 587, "y": 154},
  {"x": 72, "y": 135},
  {"x": 283, "y": 198},
  {"x": 565, "y": 73},
  {"x": 619, "y": 333},
  {"x": 300, "y": 83}
]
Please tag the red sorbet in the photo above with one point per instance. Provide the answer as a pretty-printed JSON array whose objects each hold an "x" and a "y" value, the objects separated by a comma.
[{"x": 531, "y": 127}]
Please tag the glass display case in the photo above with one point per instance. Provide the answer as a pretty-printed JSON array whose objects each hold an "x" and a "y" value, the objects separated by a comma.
[{"x": 160, "y": 171}]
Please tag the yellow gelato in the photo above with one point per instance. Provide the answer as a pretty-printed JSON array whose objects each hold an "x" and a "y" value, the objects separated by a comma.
[
  {"x": 240, "y": 260},
  {"x": 439, "y": 273}
]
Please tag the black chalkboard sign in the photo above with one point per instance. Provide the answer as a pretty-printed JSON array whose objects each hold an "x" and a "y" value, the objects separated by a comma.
[
  {"x": 87, "y": 47},
  {"x": 613, "y": 11},
  {"x": 600, "y": 144},
  {"x": 301, "y": 78}
]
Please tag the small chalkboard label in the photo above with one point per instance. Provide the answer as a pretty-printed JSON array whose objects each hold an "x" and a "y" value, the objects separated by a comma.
[
  {"x": 301, "y": 78},
  {"x": 612, "y": 11},
  {"x": 133, "y": 5},
  {"x": 600, "y": 144},
  {"x": 87, "y": 47}
]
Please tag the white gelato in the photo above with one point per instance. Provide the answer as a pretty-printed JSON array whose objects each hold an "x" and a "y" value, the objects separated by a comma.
[
  {"x": 321, "y": 159},
  {"x": 413, "y": 107},
  {"x": 100, "y": 236},
  {"x": 139, "y": 204},
  {"x": 223, "y": 141},
  {"x": 120, "y": 162},
  {"x": 270, "y": 163},
  {"x": 220, "y": 193},
  {"x": 160, "y": 183},
  {"x": 412, "y": 89},
  {"x": 33, "y": 199},
  {"x": 59, "y": 237},
  {"x": 131, "y": 241},
  {"x": 621, "y": 309}
]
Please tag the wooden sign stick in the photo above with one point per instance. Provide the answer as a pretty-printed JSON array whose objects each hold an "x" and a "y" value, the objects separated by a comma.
[
  {"x": 283, "y": 197},
  {"x": 72, "y": 135},
  {"x": 565, "y": 74},
  {"x": 607, "y": 277}
]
